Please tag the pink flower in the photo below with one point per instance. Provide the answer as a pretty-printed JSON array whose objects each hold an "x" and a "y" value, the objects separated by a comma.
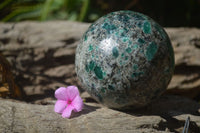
[{"x": 68, "y": 99}]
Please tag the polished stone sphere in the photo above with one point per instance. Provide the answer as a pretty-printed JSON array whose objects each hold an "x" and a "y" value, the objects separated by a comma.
[{"x": 125, "y": 59}]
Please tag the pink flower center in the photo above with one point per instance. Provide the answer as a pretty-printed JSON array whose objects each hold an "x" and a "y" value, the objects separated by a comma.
[{"x": 69, "y": 102}]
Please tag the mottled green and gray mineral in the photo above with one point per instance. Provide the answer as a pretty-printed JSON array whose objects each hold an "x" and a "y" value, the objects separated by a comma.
[{"x": 125, "y": 59}]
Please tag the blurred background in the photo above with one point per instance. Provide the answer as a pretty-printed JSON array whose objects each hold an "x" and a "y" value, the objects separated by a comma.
[{"x": 168, "y": 13}]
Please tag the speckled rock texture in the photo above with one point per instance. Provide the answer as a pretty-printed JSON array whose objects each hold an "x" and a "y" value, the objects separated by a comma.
[{"x": 125, "y": 59}]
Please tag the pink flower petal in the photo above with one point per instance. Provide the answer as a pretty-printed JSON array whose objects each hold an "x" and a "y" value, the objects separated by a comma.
[
  {"x": 60, "y": 106},
  {"x": 72, "y": 92},
  {"x": 77, "y": 103},
  {"x": 67, "y": 112},
  {"x": 61, "y": 94}
]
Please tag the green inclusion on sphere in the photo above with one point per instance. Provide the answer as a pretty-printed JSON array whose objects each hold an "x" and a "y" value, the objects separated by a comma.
[
  {"x": 151, "y": 51},
  {"x": 115, "y": 52},
  {"x": 125, "y": 59},
  {"x": 98, "y": 72},
  {"x": 128, "y": 50},
  {"x": 147, "y": 27}
]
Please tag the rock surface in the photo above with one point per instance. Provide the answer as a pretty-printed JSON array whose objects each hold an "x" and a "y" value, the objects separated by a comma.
[
  {"x": 41, "y": 54},
  {"x": 162, "y": 116},
  {"x": 186, "y": 79},
  {"x": 42, "y": 57}
]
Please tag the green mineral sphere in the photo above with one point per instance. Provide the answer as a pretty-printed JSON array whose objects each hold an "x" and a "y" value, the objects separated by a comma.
[{"x": 125, "y": 59}]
